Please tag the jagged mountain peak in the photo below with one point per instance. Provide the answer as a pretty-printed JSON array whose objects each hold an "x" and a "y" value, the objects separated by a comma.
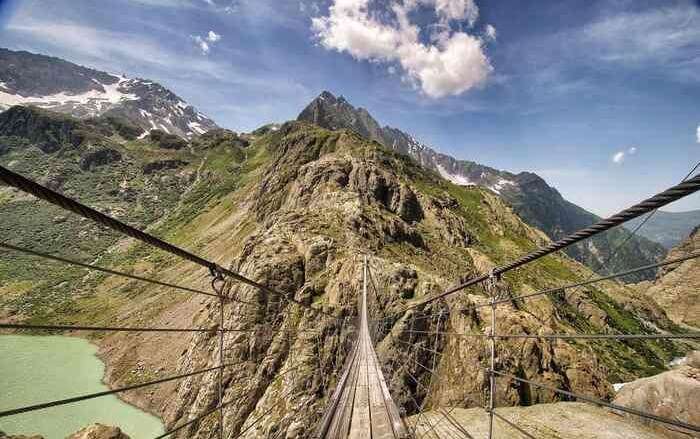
[
  {"x": 535, "y": 201},
  {"x": 55, "y": 84}
]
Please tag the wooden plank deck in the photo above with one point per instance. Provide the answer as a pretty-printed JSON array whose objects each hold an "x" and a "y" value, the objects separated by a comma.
[{"x": 362, "y": 408}]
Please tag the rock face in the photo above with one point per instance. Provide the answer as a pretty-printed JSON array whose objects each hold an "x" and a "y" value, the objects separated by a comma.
[
  {"x": 99, "y": 431},
  {"x": 539, "y": 204},
  {"x": 58, "y": 85},
  {"x": 677, "y": 288},
  {"x": 673, "y": 395}
]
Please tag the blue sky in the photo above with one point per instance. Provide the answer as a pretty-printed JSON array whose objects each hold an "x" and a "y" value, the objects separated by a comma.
[{"x": 601, "y": 98}]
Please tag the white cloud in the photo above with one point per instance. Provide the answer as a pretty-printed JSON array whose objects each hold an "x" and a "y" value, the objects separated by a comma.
[
  {"x": 667, "y": 37},
  {"x": 205, "y": 43},
  {"x": 620, "y": 156},
  {"x": 213, "y": 37},
  {"x": 697, "y": 133},
  {"x": 490, "y": 32},
  {"x": 453, "y": 64},
  {"x": 202, "y": 44}
]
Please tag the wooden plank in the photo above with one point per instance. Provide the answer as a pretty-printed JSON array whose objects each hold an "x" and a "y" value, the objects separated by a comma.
[
  {"x": 381, "y": 424},
  {"x": 360, "y": 426}
]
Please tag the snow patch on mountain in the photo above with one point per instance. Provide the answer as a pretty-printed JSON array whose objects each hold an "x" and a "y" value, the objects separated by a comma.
[
  {"x": 454, "y": 178},
  {"x": 97, "y": 99},
  {"x": 55, "y": 85},
  {"x": 196, "y": 127},
  {"x": 500, "y": 184}
]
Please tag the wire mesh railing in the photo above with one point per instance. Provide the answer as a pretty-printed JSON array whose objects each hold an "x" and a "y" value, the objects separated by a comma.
[
  {"x": 425, "y": 320},
  {"x": 219, "y": 277}
]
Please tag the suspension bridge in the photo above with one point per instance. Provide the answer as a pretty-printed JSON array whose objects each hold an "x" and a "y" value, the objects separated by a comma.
[{"x": 360, "y": 404}]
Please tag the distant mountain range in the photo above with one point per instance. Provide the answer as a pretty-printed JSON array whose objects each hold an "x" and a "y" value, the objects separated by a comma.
[
  {"x": 54, "y": 84},
  {"x": 668, "y": 228},
  {"x": 539, "y": 204},
  {"x": 50, "y": 83}
]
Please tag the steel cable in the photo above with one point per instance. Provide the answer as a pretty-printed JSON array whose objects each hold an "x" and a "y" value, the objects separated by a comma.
[
  {"x": 668, "y": 196},
  {"x": 102, "y": 269},
  {"x": 55, "y": 403},
  {"x": 24, "y": 184}
]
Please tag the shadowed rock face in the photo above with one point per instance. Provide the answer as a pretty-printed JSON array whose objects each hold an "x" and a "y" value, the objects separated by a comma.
[
  {"x": 537, "y": 203},
  {"x": 672, "y": 395}
]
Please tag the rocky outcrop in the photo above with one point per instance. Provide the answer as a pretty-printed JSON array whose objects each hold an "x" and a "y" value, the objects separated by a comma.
[
  {"x": 4, "y": 435},
  {"x": 101, "y": 157},
  {"x": 322, "y": 199},
  {"x": 95, "y": 431},
  {"x": 99, "y": 431},
  {"x": 677, "y": 288},
  {"x": 672, "y": 395},
  {"x": 166, "y": 141},
  {"x": 162, "y": 165}
]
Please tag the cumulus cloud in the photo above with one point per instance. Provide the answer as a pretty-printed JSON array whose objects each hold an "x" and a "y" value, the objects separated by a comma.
[
  {"x": 204, "y": 43},
  {"x": 451, "y": 64},
  {"x": 620, "y": 156}
]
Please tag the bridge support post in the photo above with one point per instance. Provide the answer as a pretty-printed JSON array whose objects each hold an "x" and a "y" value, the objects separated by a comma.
[
  {"x": 491, "y": 286},
  {"x": 218, "y": 284}
]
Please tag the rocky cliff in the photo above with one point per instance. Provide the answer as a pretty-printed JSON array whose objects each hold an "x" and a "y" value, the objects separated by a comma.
[
  {"x": 539, "y": 204},
  {"x": 677, "y": 288}
]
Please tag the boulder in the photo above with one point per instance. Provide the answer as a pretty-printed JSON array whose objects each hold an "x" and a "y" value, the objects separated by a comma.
[
  {"x": 99, "y": 431},
  {"x": 4, "y": 435},
  {"x": 674, "y": 394}
]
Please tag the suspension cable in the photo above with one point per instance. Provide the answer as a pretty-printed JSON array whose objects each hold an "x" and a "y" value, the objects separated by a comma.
[
  {"x": 659, "y": 200},
  {"x": 102, "y": 269},
  {"x": 691, "y": 335},
  {"x": 24, "y": 184},
  {"x": 55, "y": 403},
  {"x": 639, "y": 226},
  {"x": 691, "y": 256}
]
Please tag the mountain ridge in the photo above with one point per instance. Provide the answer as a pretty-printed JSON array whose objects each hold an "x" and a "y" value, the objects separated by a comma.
[
  {"x": 538, "y": 203},
  {"x": 668, "y": 228},
  {"x": 55, "y": 84}
]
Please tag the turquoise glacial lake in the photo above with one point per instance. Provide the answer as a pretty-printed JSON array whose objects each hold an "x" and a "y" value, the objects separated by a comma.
[{"x": 36, "y": 369}]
